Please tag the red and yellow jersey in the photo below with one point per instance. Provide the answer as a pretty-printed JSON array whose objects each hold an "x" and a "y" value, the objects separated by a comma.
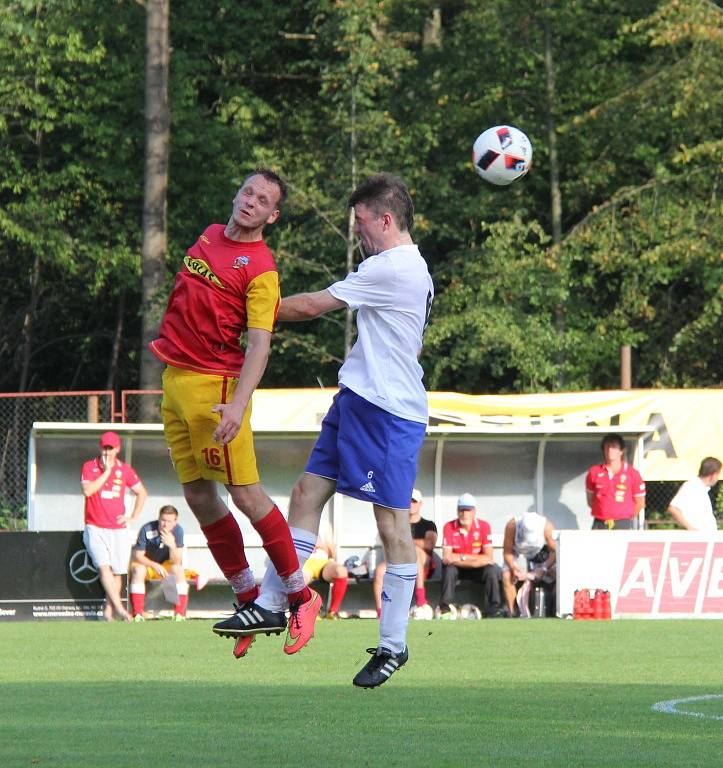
[
  {"x": 224, "y": 288},
  {"x": 104, "y": 506},
  {"x": 613, "y": 496},
  {"x": 470, "y": 542}
]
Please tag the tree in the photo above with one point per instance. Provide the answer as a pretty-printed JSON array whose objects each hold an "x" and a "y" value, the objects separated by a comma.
[{"x": 154, "y": 194}]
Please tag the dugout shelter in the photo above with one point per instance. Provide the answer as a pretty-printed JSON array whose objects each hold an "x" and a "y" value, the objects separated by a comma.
[{"x": 510, "y": 470}]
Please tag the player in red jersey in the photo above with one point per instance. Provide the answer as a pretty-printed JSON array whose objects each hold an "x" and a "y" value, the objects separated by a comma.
[
  {"x": 228, "y": 286},
  {"x": 104, "y": 481},
  {"x": 615, "y": 489}
]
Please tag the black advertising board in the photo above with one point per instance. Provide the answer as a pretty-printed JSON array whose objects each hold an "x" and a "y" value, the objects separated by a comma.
[{"x": 47, "y": 575}]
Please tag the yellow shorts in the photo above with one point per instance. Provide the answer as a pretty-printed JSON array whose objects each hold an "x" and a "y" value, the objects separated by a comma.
[
  {"x": 314, "y": 566},
  {"x": 187, "y": 572},
  {"x": 189, "y": 424}
]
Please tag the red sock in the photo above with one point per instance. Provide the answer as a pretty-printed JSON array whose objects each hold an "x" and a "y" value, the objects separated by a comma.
[
  {"x": 226, "y": 544},
  {"x": 420, "y": 595},
  {"x": 138, "y": 602},
  {"x": 180, "y": 607},
  {"x": 338, "y": 590},
  {"x": 276, "y": 538}
]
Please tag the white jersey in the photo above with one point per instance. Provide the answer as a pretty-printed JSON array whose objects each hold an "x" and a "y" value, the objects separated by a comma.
[
  {"x": 693, "y": 500},
  {"x": 393, "y": 292}
]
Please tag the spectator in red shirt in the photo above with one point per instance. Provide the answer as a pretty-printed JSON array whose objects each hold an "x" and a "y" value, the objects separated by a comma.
[
  {"x": 615, "y": 489},
  {"x": 467, "y": 554},
  {"x": 104, "y": 480}
]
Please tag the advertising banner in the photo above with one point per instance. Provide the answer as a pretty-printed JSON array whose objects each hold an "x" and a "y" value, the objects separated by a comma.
[
  {"x": 686, "y": 425},
  {"x": 47, "y": 576},
  {"x": 649, "y": 574}
]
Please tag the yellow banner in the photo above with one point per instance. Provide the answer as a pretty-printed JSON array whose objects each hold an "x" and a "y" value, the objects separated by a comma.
[{"x": 686, "y": 424}]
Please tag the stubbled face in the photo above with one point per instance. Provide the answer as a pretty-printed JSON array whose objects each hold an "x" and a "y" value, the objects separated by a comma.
[
  {"x": 256, "y": 203},
  {"x": 167, "y": 522},
  {"x": 369, "y": 228},
  {"x": 466, "y": 517},
  {"x": 415, "y": 509}
]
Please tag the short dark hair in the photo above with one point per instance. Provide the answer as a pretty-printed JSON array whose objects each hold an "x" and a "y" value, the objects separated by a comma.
[
  {"x": 384, "y": 192},
  {"x": 613, "y": 439},
  {"x": 274, "y": 178},
  {"x": 167, "y": 509},
  {"x": 709, "y": 466}
]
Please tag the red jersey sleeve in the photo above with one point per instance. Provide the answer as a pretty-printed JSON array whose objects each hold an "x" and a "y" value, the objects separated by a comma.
[
  {"x": 447, "y": 539},
  {"x": 589, "y": 482},
  {"x": 638, "y": 484}
]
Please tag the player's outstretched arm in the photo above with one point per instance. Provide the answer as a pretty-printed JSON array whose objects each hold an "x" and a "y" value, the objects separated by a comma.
[
  {"x": 307, "y": 306},
  {"x": 257, "y": 355}
]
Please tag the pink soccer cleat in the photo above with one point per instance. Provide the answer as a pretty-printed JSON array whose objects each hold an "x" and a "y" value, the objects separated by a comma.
[{"x": 301, "y": 622}]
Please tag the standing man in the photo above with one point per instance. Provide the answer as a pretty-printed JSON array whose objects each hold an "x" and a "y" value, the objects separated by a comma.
[
  {"x": 159, "y": 551},
  {"x": 615, "y": 490},
  {"x": 691, "y": 507},
  {"x": 104, "y": 480},
  {"x": 371, "y": 436},
  {"x": 228, "y": 287},
  {"x": 467, "y": 554}
]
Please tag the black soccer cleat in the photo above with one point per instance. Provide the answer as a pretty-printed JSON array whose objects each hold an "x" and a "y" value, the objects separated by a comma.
[
  {"x": 251, "y": 619},
  {"x": 382, "y": 665}
]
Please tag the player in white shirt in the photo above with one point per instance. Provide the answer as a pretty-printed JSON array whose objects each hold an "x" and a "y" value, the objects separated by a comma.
[
  {"x": 691, "y": 507},
  {"x": 371, "y": 436}
]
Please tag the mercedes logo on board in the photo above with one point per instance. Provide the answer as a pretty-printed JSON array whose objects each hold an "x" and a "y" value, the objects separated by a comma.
[{"x": 81, "y": 567}]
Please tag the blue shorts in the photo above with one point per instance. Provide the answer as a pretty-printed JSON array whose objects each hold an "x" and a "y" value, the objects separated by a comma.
[{"x": 369, "y": 452}]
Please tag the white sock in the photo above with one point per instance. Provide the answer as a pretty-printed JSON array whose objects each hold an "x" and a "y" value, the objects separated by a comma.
[
  {"x": 273, "y": 590},
  {"x": 397, "y": 591}
]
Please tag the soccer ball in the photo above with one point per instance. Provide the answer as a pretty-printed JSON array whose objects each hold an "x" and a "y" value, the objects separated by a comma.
[
  {"x": 424, "y": 612},
  {"x": 502, "y": 154}
]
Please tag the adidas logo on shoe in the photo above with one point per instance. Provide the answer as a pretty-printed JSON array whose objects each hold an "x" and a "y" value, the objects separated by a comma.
[{"x": 382, "y": 665}]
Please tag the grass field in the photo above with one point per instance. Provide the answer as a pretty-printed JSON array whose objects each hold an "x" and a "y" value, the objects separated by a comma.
[{"x": 498, "y": 693}]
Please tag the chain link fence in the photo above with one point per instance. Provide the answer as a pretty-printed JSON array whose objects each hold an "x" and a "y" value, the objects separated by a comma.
[
  {"x": 17, "y": 414},
  {"x": 659, "y": 494},
  {"x": 141, "y": 406}
]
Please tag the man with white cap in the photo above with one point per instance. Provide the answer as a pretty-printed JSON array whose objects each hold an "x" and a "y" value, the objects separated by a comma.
[
  {"x": 467, "y": 554},
  {"x": 528, "y": 540},
  {"x": 104, "y": 480}
]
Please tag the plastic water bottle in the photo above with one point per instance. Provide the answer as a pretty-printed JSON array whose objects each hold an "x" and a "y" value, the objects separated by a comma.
[{"x": 371, "y": 560}]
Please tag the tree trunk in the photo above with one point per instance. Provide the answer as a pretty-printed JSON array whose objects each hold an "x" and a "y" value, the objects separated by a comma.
[
  {"x": 349, "y": 325},
  {"x": 110, "y": 382},
  {"x": 555, "y": 194},
  {"x": 154, "y": 195}
]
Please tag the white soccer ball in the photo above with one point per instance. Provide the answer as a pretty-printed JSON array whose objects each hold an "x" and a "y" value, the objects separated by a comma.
[
  {"x": 423, "y": 612},
  {"x": 469, "y": 611},
  {"x": 502, "y": 154}
]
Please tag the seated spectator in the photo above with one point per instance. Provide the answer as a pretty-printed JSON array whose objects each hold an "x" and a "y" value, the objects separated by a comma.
[
  {"x": 467, "y": 554},
  {"x": 691, "y": 507},
  {"x": 158, "y": 553},
  {"x": 424, "y": 535},
  {"x": 529, "y": 552},
  {"x": 323, "y": 565}
]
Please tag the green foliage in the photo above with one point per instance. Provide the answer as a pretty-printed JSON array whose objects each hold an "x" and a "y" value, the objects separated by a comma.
[{"x": 328, "y": 91}]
